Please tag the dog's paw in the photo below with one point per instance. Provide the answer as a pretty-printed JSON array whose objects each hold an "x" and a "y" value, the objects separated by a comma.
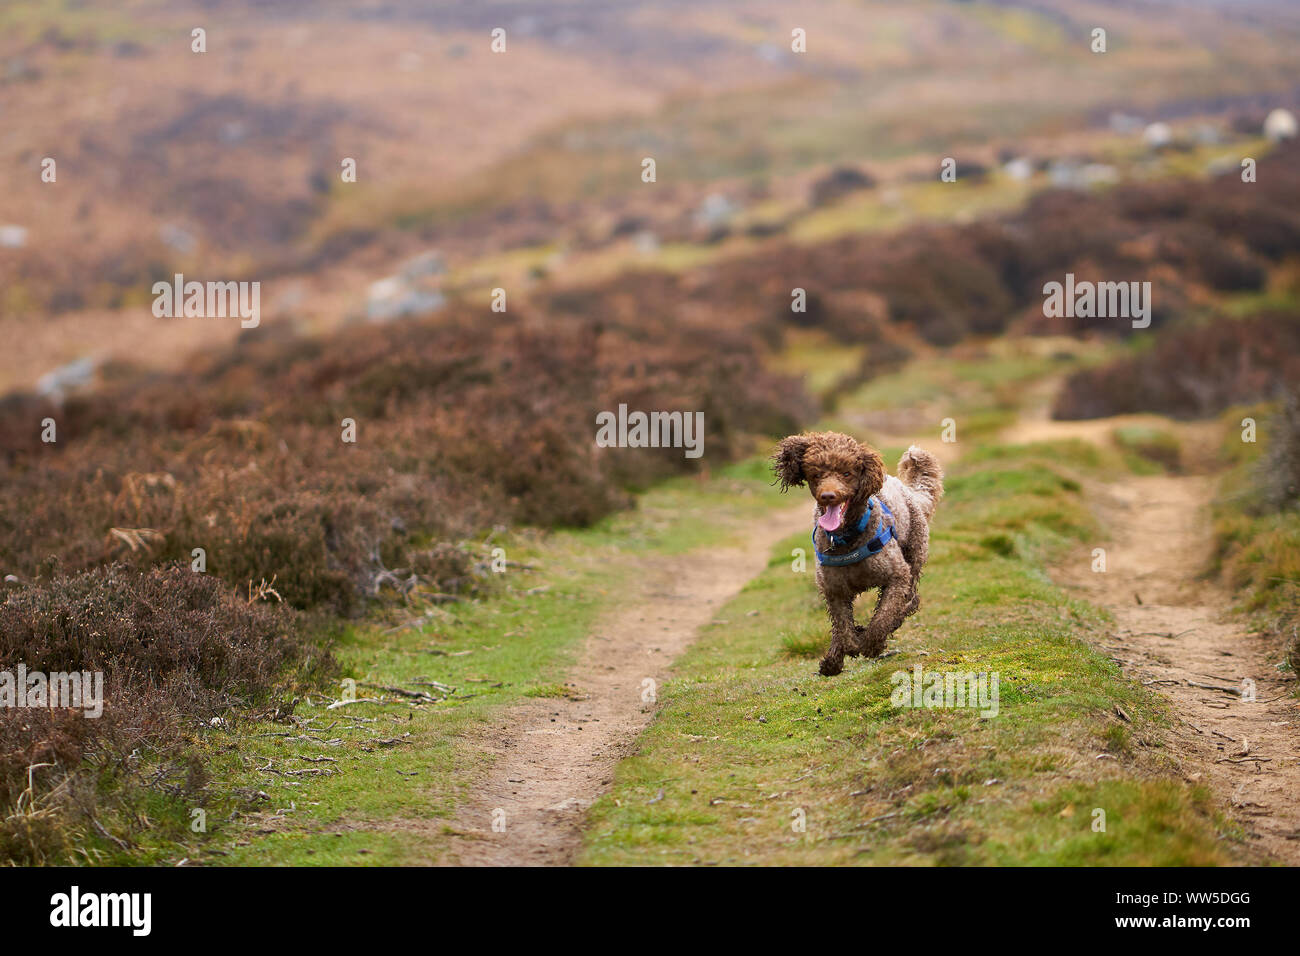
[
  {"x": 868, "y": 648},
  {"x": 858, "y": 641},
  {"x": 831, "y": 666},
  {"x": 853, "y": 647}
]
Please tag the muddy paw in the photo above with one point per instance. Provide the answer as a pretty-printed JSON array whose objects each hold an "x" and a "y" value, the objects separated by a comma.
[
  {"x": 831, "y": 666},
  {"x": 871, "y": 648},
  {"x": 857, "y": 641}
]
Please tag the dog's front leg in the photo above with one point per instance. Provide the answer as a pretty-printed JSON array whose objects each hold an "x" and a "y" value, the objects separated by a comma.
[
  {"x": 885, "y": 620},
  {"x": 842, "y": 632}
]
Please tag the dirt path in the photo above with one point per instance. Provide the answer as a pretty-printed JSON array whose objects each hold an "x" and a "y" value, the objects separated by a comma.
[
  {"x": 1173, "y": 632},
  {"x": 551, "y": 758}
]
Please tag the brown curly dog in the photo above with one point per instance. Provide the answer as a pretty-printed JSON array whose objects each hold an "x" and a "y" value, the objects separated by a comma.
[{"x": 871, "y": 531}]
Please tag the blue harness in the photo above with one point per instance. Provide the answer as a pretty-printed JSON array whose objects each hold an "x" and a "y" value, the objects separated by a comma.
[{"x": 874, "y": 546}]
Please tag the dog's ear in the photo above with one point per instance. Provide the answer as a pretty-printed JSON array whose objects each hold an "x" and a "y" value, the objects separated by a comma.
[
  {"x": 787, "y": 463},
  {"x": 871, "y": 467}
]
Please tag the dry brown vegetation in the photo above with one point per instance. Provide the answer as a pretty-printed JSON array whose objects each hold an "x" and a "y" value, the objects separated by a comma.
[
  {"x": 1192, "y": 372},
  {"x": 177, "y": 650},
  {"x": 460, "y": 425},
  {"x": 1191, "y": 239}
]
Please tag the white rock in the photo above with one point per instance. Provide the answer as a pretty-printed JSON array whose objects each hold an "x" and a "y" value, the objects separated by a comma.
[
  {"x": 13, "y": 237},
  {"x": 1157, "y": 135},
  {"x": 73, "y": 375},
  {"x": 646, "y": 242},
  {"x": 394, "y": 298},
  {"x": 1019, "y": 168},
  {"x": 716, "y": 210},
  {"x": 178, "y": 238},
  {"x": 1279, "y": 125}
]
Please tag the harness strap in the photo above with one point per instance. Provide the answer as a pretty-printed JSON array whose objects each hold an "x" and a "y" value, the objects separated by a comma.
[{"x": 874, "y": 546}]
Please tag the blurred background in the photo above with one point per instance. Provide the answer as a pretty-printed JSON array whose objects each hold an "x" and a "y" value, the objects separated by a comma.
[{"x": 521, "y": 171}]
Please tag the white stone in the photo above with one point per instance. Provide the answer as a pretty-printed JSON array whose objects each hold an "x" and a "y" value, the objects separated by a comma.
[{"x": 1279, "y": 125}]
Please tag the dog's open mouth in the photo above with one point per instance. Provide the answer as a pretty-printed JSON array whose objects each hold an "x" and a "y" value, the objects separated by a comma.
[{"x": 832, "y": 517}]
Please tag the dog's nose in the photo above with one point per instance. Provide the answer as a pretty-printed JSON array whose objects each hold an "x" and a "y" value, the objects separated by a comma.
[{"x": 826, "y": 497}]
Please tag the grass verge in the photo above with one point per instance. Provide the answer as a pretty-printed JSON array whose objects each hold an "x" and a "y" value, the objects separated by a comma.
[{"x": 1256, "y": 520}]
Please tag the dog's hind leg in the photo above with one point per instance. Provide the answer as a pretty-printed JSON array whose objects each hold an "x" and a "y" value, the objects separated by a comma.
[
  {"x": 916, "y": 556},
  {"x": 891, "y": 608}
]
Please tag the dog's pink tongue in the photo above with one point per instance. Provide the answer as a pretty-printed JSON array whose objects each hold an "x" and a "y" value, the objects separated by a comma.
[{"x": 832, "y": 519}]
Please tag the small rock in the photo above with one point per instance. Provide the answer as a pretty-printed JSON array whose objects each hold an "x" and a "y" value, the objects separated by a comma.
[
  {"x": 1158, "y": 135},
  {"x": 13, "y": 237},
  {"x": 1279, "y": 125}
]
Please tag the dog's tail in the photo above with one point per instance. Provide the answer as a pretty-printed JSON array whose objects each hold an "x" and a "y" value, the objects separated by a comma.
[{"x": 921, "y": 471}]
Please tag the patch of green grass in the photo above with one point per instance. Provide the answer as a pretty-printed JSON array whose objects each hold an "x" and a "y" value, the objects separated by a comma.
[
  {"x": 1244, "y": 305},
  {"x": 1080, "y": 457},
  {"x": 397, "y": 764},
  {"x": 981, "y": 395},
  {"x": 1257, "y": 551},
  {"x": 761, "y": 760},
  {"x": 1149, "y": 450},
  {"x": 807, "y": 644},
  {"x": 1165, "y": 821},
  {"x": 1237, "y": 423},
  {"x": 34, "y": 20},
  {"x": 1028, "y": 29},
  {"x": 818, "y": 359}
]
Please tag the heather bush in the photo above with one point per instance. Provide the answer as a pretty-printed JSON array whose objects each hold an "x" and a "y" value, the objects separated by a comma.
[
  {"x": 176, "y": 649},
  {"x": 460, "y": 427},
  {"x": 1277, "y": 470},
  {"x": 1191, "y": 372}
]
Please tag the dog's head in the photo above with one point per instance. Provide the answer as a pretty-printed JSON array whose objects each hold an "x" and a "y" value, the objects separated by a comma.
[{"x": 839, "y": 471}]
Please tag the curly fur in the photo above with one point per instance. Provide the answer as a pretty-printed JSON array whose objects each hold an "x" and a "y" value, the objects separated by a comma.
[{"x": 838, "y": 468}]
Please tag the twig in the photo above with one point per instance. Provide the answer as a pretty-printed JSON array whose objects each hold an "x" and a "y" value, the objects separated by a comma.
[
  {"x": 410, "y": 694},
  {"x": 359, "y": 700},
  {"x": 1235, "y": 692},
  {"x": 440, "y": 596}
]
